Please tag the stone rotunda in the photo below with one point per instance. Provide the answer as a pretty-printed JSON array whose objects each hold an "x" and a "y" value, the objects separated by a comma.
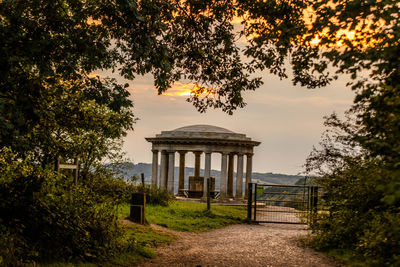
[{"x": 200, "y": 139}]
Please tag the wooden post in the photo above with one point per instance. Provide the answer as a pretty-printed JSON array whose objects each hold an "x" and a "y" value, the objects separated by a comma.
[
  {"x": 208, "y": 193},
  {"x": 76, "y": 170},
  {"x": 57, "y": 164},
  {"x": 314, "y": 203},
  {"x": 142, "y": 176}
]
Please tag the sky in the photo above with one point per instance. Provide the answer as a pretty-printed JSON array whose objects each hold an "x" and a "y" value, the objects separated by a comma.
[{"x": 286, "y": 119}]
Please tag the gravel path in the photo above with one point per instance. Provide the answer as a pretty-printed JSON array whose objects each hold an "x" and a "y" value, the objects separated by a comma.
[{"x": 240, "y": 245}]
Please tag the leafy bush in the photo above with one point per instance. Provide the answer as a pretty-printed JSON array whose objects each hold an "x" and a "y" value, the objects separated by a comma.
[
  {"x": 14, "y": 250},
  {"x": 358, "y": 166},
  {"x": 74, "y": 220},
  {"x": 154, "y": 195},
  {"x": 119, "y": 190},
  {"x": 361, "y": 219},
  {"x": 380, "y": 239},
  {"x": 43, "y": 216},
  {"x": 105, "y": 185}
]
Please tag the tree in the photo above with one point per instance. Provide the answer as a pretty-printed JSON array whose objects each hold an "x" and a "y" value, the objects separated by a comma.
[
  {"x": 49, "y": 102},
  {"x": 52, "y": 43},
  {"x": 358, "y": 161}
]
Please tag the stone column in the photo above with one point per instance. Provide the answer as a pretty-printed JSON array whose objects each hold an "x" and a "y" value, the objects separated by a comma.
[
  {"x": 171, "y": 169},
  {"x": 224, "y": 176},
  {"x": 163, "y": 170},
  {"x": 181, "y": 185},
  {"x": 239, "y": 177},
  {"x": 207, "y": 172},
  {"x": 230, "y": 175},
  {"x": 197, "y": 163},
  {"x": 154, "y": 169},
  {"x": 249, "y": 170}
]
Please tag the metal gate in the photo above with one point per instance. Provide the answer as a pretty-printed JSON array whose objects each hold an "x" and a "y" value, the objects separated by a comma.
[{"x": 293, "y": 204}]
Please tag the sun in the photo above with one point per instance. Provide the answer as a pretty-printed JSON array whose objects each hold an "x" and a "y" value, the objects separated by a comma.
[{"x": 188, "y": 89}]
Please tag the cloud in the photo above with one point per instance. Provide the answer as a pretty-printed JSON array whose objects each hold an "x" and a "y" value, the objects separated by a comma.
[{"x": 312, "y": 100}]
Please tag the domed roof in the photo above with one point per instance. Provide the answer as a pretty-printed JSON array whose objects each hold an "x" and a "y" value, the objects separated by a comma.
[
  {"x": 203, "y": 132},
  {"x": 202, "y": 128},
  {"x": 202, "y": 135}
]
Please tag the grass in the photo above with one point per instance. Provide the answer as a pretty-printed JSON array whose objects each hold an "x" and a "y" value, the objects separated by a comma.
[
  {"x": 145, "y": 240},
  {"x": 147, "y": 236},
  {"x": 179, "y": 215},
  {"x": 190, "y": 216},
  {"x": 347, "y": 257}
]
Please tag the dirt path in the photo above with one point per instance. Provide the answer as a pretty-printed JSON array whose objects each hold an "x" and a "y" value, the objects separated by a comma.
[{"x": 241, "y": 245}]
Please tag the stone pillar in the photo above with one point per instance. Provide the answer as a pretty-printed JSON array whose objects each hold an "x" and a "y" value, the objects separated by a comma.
[
  {"x": 207, "y": 172},
  {"x": 163, "y": 170},
  {"x": 249, "y": 170},
  {"x": 154, "y": 169},
  {"x": 230, "y": 175},
  {"x": 239, "y": 177},
  {"x": 224, "y": 176},
  {"x": 197, "y": 163},
  {"x": 181, "y": 185},
  {"x": 171, "y": 169}
]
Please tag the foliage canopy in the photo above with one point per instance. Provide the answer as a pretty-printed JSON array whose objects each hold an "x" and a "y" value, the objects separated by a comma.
[{"x": 49, "y": 50}]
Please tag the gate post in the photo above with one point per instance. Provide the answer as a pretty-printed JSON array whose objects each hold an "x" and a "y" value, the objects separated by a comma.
[
  {"x": 249, "y": 199},
  {"x": 314, "y": 203},
  {"x": 309, "y": 204},
  {"x": 311, "y": 207},
  {"x": 255, "y": 202}
]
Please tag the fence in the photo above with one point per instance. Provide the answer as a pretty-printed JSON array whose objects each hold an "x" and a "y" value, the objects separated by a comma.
[{"x": 292, "y": 204}]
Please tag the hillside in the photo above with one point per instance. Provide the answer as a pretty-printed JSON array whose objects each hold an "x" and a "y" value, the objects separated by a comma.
[{"x": 130, "y": 169}]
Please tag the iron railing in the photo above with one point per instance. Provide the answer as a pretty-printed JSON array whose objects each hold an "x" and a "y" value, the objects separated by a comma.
[{"x": 292, "y": 204}]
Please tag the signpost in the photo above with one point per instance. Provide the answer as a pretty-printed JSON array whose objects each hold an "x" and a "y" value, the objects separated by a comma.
[{"x": 74, "y": 167}]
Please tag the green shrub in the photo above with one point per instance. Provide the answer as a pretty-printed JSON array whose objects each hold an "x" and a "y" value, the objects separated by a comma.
[
  {"x": 14, "y": 250},
  {"x": 360, "y": 218},
  {"x": 154, "y": 195},
  {"x": 380, "y": 239},
  {"x": 77, "y": 222},
  {"x": 20, "y": 183},
  {"x": 44, "y": 216},
  {"x": 106, "y": 185}
]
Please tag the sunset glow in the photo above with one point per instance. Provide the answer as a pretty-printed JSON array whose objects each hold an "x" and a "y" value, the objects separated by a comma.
[
  {"x": 315, "y": 41},
  {"x": 188, "y": 89},
  {"x": 180, "y": 89},
  {"x": 341, "y": 34}
]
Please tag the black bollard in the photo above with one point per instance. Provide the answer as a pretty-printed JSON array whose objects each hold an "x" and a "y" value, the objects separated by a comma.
[{"x": 138, "y": 204}]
